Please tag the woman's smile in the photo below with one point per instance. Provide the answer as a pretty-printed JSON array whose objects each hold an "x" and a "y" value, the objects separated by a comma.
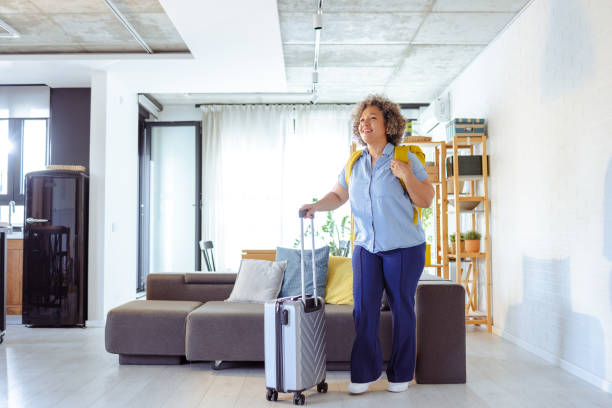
[{"x": 372, "y": 125}]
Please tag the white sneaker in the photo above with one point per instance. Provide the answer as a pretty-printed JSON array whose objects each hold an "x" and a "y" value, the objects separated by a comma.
[
  {"x": 397, "y": 387},
  {"x": 360, "y": 388}
]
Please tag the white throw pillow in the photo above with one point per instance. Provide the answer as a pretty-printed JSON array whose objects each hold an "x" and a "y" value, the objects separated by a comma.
[{"x": 257, "y": 281}]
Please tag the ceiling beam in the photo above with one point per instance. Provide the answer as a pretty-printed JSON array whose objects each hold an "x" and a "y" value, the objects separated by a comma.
[
  {"x": 10, "y": 31},
  {"x": 128, "y": 26}
]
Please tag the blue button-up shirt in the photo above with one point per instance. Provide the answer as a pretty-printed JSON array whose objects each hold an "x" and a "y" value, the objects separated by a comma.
[{"x": 382, "y": 209}]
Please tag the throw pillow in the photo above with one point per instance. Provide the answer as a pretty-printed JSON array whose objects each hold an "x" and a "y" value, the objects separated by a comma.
[
  {"x": 292, "y": 281},
  {"x": 257, "y": 281},
  {"x": 339, "y": 289}
]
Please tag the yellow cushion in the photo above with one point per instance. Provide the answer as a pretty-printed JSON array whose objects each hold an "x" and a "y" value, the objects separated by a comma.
[{"x": 339, "y": 288}]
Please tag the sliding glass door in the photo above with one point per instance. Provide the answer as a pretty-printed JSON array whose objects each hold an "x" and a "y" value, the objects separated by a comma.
[{"x": 170, "y": 198}]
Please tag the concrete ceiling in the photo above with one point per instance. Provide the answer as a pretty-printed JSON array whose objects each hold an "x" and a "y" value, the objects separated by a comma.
[
  {"x": 228, "y": 52},
  {"x": 86, "y": 26},
  {"x": 409, "y": 49}
]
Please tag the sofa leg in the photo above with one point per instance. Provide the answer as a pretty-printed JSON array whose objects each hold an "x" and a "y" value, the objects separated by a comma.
[
  {"x": 218, "y": 365},
  {"x": 222, "y": 365}
]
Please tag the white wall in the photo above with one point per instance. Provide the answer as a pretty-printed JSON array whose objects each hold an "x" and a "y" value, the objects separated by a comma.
[
  {"x": 545, "y": 88},
  {"x": 113, "y": 241},
  {"x": 97, "y": 165},
  {"x": 121, "y": 201}
]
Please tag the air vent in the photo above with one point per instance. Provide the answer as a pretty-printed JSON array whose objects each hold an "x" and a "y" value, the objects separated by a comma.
[{"x": 6, "y": 31}]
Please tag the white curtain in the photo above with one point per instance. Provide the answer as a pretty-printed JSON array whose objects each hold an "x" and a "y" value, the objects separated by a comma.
[
  {"x": 260, "y": 163},
  {"x": 314, "y": 155}
]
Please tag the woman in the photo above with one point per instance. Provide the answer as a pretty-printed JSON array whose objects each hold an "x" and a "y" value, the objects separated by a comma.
[{"x": 389, "y": 250}]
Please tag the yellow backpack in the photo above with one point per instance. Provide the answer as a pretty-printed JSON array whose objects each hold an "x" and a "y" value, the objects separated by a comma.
[{"x": 401, "y": 154}]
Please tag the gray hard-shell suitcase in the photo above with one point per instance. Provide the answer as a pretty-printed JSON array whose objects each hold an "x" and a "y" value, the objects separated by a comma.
[{"x": 294, "y": 337}]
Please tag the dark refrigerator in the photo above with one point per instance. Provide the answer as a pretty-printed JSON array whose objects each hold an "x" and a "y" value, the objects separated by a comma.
[{"x": 55, "y": 248}]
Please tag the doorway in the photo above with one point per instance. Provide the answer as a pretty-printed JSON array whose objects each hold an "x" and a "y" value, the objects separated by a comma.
[{"x": 170, "y": 198}]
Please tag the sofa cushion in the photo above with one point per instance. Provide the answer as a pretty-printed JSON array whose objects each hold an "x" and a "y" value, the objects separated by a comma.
[
  {"x": 235, "y": 332},
  {"x": 339, "y": 288},
  {"x": 148, "y": 327},
  {"x": 292, "y": 281},
  {"x": 173, "y": 286},
  {"x": 210, "y": 278},
  {"x": 229, "y": 331},
  {"x": 258, "y": 281}
]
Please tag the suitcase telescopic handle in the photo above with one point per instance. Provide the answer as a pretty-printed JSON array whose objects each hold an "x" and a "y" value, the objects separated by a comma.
[{"x": 302, "y": 214}]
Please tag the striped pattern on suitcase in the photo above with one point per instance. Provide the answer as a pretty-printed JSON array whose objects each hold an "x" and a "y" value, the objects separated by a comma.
[{"x": 313, "y": 354}]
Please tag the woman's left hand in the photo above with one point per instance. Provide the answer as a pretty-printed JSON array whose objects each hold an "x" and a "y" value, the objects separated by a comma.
[{"x": 401, "y": 169}]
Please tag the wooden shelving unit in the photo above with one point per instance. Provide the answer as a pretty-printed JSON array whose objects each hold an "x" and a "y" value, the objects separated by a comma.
[
  {"x": 437, "y": 178},
  {"x": 467, "y": 271}
]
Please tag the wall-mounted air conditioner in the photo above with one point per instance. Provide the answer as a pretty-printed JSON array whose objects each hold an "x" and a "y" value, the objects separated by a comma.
[{"x": 438, "y": 112}]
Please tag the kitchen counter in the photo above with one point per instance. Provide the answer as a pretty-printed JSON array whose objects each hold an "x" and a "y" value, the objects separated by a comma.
[
  {"x": 15, "y": 234},
  {"x": 2, "y": 283}
]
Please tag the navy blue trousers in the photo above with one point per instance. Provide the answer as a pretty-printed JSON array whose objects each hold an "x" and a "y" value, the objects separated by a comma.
[{"x": 398, "y": 272}]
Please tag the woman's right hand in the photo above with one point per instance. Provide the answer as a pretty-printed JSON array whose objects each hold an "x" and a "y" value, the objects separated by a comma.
[{"x": 311, "y": 207}]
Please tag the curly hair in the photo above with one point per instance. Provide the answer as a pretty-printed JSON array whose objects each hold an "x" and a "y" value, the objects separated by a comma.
[{"x": 394, "y": 121}]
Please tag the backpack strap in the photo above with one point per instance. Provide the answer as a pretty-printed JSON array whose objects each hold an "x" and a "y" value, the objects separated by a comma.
[
  {"x": 348, "y": 168},
  {"x": 349, "y": 165},
  {"x": 401, "y": 153}
]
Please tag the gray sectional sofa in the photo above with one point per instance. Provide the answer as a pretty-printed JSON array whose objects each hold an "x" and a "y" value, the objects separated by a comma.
[{"x": 184, "y": 318}]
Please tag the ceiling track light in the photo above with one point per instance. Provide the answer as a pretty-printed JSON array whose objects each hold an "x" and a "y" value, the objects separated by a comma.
[
  {"x": 317, "y": 25},
  {"x": 128, "y": 26},
  {"x": 10, "y": 31}
]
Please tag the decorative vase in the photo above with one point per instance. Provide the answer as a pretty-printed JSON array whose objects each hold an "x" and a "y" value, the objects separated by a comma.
[{"x": 472, "y": 246}]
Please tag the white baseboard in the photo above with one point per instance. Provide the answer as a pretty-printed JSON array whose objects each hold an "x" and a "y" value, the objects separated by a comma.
[
  {"x": 95, "y": 323},
  {"x": 598, "y": 382}
]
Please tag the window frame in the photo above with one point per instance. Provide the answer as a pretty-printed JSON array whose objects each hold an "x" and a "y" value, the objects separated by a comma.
[{"x": 15, "y": 159}]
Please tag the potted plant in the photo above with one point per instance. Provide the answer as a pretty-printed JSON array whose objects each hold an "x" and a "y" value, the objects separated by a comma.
[
  {"x": 472, "y": 241},
  {"x": 453, "y": 248},
  {"x": 336, "y": 234}
]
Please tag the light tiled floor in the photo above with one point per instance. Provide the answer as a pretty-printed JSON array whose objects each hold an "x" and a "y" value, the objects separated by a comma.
[{"x": 70, "y": 368}]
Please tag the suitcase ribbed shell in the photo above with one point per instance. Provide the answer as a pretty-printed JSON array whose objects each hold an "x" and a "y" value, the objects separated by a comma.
[{"x": 303, "y": 346}]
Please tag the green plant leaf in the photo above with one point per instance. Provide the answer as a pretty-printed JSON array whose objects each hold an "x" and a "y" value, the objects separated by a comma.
[
  {"x": 332, "y": 233},
  {"x": 472, "y": 235}
]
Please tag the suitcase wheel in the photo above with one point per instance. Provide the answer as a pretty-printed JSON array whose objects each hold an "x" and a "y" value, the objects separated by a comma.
[
  {"x": 298, "y": 398},
  {"x": 322, "y": 387},
  {"x": 271, "y": 395}
]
